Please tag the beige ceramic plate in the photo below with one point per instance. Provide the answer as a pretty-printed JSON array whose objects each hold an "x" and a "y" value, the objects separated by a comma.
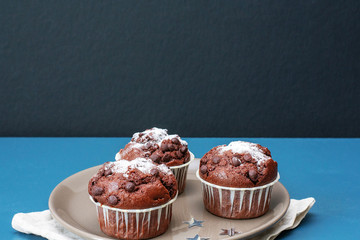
[{"x": 69, "y": 203}]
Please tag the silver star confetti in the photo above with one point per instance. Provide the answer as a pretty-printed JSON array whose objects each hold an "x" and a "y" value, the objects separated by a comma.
[
  {"x": 230, "y": 232},
  {"x": 193, "y": 222},
  {"x": 197, "y": 237}
]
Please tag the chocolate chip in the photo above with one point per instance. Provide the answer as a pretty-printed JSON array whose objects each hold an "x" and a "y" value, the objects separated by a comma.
[
  {"x": 154, "y": 171},
  {"x": 112, "y": 200},
  {"x": 253, "y": 175},
  {"x": 183, "y": 149},
  {"x": 107, "y": 172},
  {"x": 236, "y": 162},
  {"x": 96, "y": 190},
  {"x": 164, "y": 147},
  {"x": 171, "y": 147},
  {"x": 175, "y": 141},
  {"x": 166, "y": 157},
  {"x": 130, "y": 186},
  {"x": 179, "y": 154},
  {"x": 155, "y": 157},
  {"x": 216, "y": 159},
  {"x": 203, "y": 169},
  {"x": 247, "y": 157}
]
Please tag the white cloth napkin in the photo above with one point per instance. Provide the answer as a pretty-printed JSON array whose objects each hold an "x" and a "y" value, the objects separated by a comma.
[
  {"x": 295, "y": 214},
  {"x": 43, "y": 224}
]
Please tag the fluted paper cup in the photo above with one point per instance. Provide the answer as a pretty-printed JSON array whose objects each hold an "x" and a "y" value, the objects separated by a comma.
[
  {"x": 236, "y": 203},
  {"x": 180, "y": 173},
  {"x": 134, "y": 223}
]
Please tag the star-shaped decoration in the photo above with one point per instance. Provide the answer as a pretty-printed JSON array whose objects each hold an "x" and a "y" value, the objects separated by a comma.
[
  {"x": 197, "y": 237},
  {"x": 193, "y": 222},
  {"x": 230, "y": 232}
]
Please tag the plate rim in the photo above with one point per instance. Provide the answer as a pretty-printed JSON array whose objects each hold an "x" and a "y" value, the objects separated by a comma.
[
  {"x": 65, "y": 224},
  {"x": 91, "y": 236}
]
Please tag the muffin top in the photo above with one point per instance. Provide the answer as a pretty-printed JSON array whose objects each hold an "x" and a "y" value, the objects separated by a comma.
[
  {"x": 135, "y": 184},
  {"x": 239, "y": 164},
  {"x": 158, "y": 145}
]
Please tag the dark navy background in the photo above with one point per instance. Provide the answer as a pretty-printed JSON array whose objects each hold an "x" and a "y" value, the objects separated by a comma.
[{"x": 199, "y": 68}]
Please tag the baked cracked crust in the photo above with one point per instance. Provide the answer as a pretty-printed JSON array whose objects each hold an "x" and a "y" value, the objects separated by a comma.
[{"x": 136, "y": 184}]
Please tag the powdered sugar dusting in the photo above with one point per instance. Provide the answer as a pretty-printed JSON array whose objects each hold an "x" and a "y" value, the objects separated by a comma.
[
  {"x": 175, "y": 136},
  {"x": 131, "y": 146},
  {"x": 142, "y": 164},
  {"x": 156, "y": 134},
  {"x": 246, "y": 147}
]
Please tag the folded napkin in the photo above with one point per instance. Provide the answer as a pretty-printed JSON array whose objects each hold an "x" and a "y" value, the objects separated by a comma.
[
  {"x": 43, "y": 224},
  {"x": 295, "y": 214}
]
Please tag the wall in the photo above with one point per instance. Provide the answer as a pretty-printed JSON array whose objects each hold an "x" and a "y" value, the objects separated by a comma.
[{"x": 199, "y": 68}]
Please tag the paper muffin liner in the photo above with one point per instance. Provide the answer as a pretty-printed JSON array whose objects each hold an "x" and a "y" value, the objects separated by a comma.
[
  {"x": 236, "y": 203},
  {"x": 180, "y": 173},
  {"x": 134, "y": 223}
]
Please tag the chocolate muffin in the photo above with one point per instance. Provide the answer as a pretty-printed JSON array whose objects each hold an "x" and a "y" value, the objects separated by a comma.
[
  {"x": 133, "y": 198},
  {"x": 156, "y": 144},
  {"x": 240, "y": 164},
  {"x": 160, "y": 147},
  {"x": 238, "y": 179}
]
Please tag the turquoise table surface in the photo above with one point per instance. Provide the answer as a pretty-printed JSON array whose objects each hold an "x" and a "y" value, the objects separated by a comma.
[{"x": 326, "y": 169}]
